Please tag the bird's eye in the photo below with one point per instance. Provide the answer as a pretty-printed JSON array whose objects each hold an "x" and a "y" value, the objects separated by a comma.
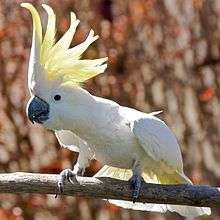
[{"x": 57, "y": 97}]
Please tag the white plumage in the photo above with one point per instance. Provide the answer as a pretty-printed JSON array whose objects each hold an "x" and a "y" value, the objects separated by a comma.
[
  {"x": 128, "y": 142},
  {"x": 123, "y": 135}
]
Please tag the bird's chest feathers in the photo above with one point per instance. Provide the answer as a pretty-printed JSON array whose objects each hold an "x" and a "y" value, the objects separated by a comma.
[
  {"x": 104, "y": 133},
  {"x": 108, "y": 134},
  {"x": 113, "y": 143}
]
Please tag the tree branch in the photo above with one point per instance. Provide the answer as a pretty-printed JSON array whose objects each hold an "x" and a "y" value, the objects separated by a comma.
[{"x": 108, "y": 188}]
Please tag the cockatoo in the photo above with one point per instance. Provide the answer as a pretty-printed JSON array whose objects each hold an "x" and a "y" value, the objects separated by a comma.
[{"x": 131, "y": 145}]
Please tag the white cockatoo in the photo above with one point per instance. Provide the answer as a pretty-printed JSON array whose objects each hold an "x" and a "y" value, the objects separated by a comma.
[{"x": 131, "y": 145}]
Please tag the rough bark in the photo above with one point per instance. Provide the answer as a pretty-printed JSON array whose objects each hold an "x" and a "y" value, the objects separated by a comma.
[{"x": 108, "y": 188}]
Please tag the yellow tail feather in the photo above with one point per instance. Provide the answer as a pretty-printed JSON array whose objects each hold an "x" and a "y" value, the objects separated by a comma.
[{"x": 151, "y": 177}]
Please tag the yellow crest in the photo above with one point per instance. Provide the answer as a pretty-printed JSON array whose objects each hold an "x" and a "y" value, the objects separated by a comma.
[{"x": 57, "y": 59}]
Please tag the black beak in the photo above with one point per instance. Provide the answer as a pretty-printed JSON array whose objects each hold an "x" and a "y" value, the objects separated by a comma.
[{"x": 38, "y": 110}]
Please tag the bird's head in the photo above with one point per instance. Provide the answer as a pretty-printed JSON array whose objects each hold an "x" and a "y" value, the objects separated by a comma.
[{"x": 55, "y": 70}]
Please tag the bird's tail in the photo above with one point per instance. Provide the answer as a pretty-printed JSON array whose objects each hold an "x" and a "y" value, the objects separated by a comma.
[{"x": 124, "y": 174}]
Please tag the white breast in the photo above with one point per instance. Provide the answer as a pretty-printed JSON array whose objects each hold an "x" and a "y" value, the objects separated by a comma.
[
  {"x": 115, "y": 145},
  {"x": 108, "y": 134}
]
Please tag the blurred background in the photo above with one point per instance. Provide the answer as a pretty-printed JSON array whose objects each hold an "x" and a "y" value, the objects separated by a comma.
[{"x": 163, "y": 55}]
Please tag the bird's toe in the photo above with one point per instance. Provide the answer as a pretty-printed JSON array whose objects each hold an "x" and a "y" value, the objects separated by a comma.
[{"x": 65, "y": 175}]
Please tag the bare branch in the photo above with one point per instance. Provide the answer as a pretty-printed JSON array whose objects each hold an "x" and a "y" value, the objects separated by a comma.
[{"x": 107, "y": 188}]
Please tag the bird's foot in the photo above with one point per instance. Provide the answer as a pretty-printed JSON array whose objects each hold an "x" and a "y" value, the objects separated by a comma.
[
  {"x": 64, "y": 176},
  {"x": 136, "y": 182}
]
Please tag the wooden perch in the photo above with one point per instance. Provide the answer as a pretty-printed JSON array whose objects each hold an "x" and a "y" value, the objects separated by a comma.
[{"x": 108, "y": 188}]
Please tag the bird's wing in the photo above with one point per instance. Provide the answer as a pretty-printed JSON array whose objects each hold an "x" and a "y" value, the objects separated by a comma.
[
  {"x": 158, "y": 141},
  {"x": 68, "y": 140}
]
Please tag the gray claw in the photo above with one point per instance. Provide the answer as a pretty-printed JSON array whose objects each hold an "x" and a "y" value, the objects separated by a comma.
[
  {"x": 136, "y": 182},
  {"x": 65, "y": 175}
]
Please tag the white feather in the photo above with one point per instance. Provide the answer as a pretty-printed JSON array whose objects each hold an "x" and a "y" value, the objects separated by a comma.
[
  {"x": 158, "y": 141},
  {"x": 69, "y": 140}
]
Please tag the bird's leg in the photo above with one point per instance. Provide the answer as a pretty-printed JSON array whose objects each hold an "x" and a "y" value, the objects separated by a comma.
[
  {"x": 68, "y": 174},
  {"x": 136, "y": 181}
]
